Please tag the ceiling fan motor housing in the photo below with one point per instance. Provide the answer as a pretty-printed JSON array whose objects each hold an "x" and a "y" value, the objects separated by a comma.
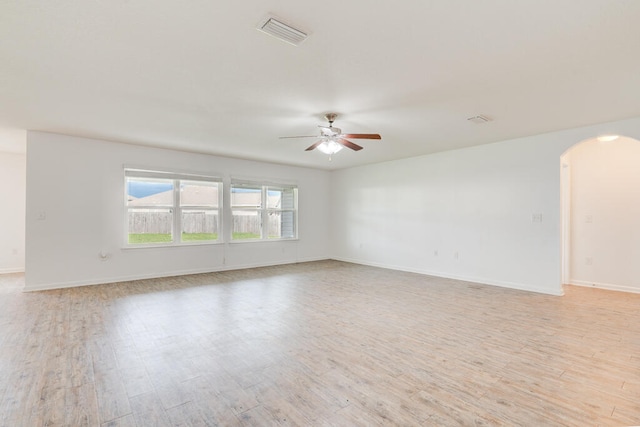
[{"x": 330, "y": 131}]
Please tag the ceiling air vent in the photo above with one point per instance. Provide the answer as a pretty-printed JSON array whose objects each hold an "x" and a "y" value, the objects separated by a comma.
[
  {"x": 479, "y": 119},
  {"x": 282, "y": 31}
]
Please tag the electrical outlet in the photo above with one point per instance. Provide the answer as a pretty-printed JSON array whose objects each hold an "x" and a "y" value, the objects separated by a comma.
[
  {"x": 536, "y": 217},
  {"x": 588, "y": 260},
  {"x": 435, "y": 253},
  {"x": 456, "y": 255}
]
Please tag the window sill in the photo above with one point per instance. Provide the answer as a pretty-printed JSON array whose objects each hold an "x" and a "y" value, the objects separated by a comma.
[
  {"x": 235, "y": 242},
  {"x": 170, "y": 245}
]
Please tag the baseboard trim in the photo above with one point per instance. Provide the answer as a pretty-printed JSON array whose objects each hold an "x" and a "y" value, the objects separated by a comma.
[
  {"x": 510, "y": 285},
  {"x": 484, "y": 281},
  {"x": 118, "y": 279},
  {"x": 606, "y": 286},
  {"x": 11, "y": 270}
]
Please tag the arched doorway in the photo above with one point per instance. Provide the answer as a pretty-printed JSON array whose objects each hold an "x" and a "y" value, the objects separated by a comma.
[{"x": 600, "y": 185}]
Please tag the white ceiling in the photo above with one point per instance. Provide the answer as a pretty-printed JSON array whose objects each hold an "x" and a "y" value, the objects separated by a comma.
[{"x": 198, "y": 76}]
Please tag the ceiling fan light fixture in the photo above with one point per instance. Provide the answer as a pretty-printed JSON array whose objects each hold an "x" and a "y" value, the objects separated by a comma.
[
  {"x": 282, "y": 31},
  {"x": 329, "y": 147}
]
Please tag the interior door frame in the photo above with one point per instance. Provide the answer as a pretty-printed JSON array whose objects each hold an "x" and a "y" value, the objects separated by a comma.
[{"x": 565, "y": 218}]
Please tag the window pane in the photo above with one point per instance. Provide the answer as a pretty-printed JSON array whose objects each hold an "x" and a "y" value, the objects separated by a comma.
[
  {"x": 246, "y": 197},
  {"x": 281, "y": 225},
  {"x": 198, "y": 193},
  {"x": 149, "y": 192},
  {"x": 289, "y": 199},
  {"x": 274, "y": 198},
  {"x": 280, "y": 198},
  {"x": 150, "y": 226},
  {"x": 199, "y": 225},
  {"x": 246, "y": 225}
]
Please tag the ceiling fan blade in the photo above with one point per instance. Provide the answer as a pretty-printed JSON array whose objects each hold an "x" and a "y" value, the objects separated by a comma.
[
  {"x": 314, "y": 145},
  {"x": 362, "y": 136},
  {"x": 300, "y": 136},
  {"x": 348, "y": 144}
]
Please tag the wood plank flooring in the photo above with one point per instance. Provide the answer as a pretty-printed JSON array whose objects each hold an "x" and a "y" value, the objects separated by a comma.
[{"x": 315, "y": 344}]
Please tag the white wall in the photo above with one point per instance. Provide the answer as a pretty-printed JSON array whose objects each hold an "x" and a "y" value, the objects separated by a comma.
[
  {"x": 476, "y": 202},
  {"x": 12, "y": 212},
  {"x": 466, "y": 214},
  {"x": 77, "y": 184},
  {"x": 605, "y": 209}
]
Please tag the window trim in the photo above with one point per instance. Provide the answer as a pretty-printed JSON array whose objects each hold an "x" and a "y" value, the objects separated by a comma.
[{"x": 176, "y": 209}]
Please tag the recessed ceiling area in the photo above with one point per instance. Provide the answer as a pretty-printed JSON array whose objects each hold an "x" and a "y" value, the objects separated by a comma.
[{"x": 202, "y": 78}]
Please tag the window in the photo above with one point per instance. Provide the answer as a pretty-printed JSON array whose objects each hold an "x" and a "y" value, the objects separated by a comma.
[
  {"x": 159, "y": 203},
  {"x": 263, "y": 212}
]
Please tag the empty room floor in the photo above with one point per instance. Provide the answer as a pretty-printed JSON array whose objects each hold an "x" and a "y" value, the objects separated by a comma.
[{"x": 322, "y": 343}]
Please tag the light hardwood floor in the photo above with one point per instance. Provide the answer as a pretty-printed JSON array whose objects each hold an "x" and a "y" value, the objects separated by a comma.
[{"x": 323, "y": 343}]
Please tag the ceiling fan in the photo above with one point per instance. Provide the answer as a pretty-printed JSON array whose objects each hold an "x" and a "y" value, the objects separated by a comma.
[{"x": 333, "y": 140}]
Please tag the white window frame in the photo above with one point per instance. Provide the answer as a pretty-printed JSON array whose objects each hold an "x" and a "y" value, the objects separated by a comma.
[
  {"x": 176, "y": 208},
  {"x": 264, "y": 210}
]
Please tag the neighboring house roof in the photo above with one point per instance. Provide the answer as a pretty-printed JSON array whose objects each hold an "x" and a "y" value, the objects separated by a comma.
[{"x": 190, "y": 196}]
